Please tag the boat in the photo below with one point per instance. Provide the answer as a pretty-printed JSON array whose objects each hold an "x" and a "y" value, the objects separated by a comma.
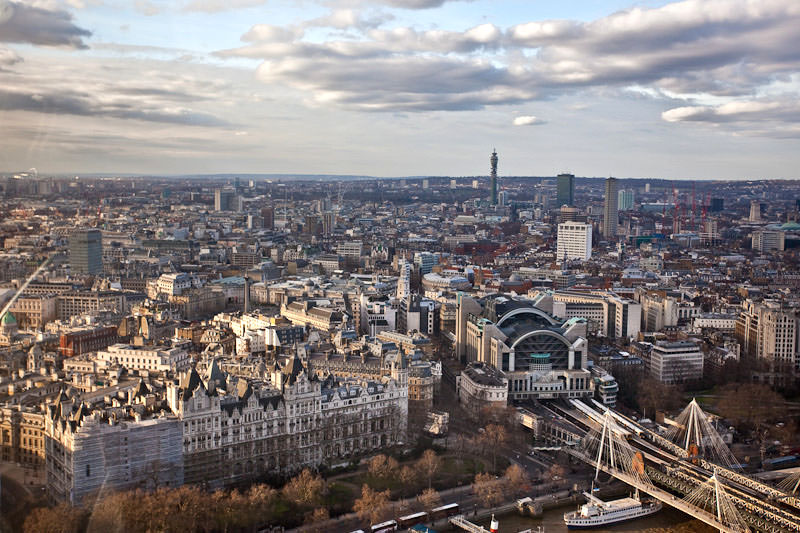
[{"x": 596, "y": 513}]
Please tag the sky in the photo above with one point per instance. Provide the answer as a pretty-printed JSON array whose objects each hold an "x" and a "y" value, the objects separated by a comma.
[{"x": 694, "y": 89}]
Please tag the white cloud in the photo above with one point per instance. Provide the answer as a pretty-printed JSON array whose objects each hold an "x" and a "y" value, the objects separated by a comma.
[
  {"x": 8, "y": 57},
  {"x": 215, "y": 6},
  {"x": 527, "y": 120},
  {"x": 718, "y": 48}
]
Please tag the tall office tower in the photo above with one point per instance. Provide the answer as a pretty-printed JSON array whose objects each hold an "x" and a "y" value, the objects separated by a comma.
[
  {"x": 565, "y": 189},
  {"x": 717, "y": 205},
  {"x": 493, "y": 161},
  {"x": 611, "y": 209},
  {"x": 268, "y": 214},
  {"x": 625, "y": 200},
  {"x": 224, "y": 200},
  {"x": 574, "y": 241},
  {"x": 86, "y": 251},
  {"x": 328, "y": 223},
  {"x": 755, "y": 211}
]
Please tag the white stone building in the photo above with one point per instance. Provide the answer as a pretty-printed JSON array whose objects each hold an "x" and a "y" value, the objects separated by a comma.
[{"x": 574, "y": 241}]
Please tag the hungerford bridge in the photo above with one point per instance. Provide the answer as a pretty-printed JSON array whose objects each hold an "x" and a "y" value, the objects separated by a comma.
[{"x": 690, "y": 469}]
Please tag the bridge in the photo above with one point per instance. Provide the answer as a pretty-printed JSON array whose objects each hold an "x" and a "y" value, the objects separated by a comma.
[{"x": 690, "y": 469}]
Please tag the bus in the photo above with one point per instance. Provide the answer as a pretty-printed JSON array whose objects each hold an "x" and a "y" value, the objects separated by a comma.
[
  {"x": 384, "y": 527},
  {"x": 444, "y": 511},
  {"x": 412, "y": 519}
]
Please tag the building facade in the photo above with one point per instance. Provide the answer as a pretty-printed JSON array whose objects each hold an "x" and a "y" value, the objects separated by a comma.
[
  {"x": 574, "y": 241},
  {"x": 86, "y": 251}
]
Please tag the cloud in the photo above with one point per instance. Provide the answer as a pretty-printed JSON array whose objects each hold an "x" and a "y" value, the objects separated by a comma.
[
  {"x": 215, "y": 6},
  {"x": 527, "y": 120},
  {"x": 146, "y": 8},
  {"x": 131, "y": 90},
  {"x": 22, "y": 23},
  {"x": 272, "y": 33},
  {"x": 787, "y": 110},
  {"x": 350, "y": 18},
  {"x": 413, "y": 4},
  {"x": 8, "y": 57},
  {"x": 767, "y": 117},
  {"x": 721, "y": 48}
]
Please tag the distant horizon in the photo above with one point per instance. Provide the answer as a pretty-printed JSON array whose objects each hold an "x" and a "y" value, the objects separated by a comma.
[{"x": 354, "y": 177}]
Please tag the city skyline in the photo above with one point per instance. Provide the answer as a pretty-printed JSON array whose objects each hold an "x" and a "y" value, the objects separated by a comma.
[{"x": 676, "y": 90}]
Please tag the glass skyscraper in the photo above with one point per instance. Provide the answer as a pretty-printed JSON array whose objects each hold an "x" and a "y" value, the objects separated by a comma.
[{"x": 86, "y": 251}]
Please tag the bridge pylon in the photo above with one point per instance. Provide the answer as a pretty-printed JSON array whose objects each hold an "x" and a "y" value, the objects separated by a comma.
[
  {"x": 693, "y": 431},
  {"x": 609, "y": 448},
  {"x": 711, "y": 496}
]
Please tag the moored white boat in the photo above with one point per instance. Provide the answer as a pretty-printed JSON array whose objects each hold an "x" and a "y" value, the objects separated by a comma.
[{"x": 596, "y": 513}]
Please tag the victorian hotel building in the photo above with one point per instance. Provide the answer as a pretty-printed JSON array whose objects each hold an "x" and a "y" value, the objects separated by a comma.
[{"x": 218, "y": 428}]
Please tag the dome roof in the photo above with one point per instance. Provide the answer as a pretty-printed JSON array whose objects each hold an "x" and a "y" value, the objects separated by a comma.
[
  {"x": 8, "y": 319},
  {"x": 791, "y": 226}
]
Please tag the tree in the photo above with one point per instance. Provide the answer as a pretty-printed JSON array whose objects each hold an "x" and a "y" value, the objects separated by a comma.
[
  {"x": 316, "y": 517},
  {"x": 516, "y": 480},
  {"x": 749, "y": 403},
  {"x": 383, "y": 467},
  {"x": 408, "y": 480},
  {"x": 429, "y": 499},
  {"x": 487, "y": 489},
  {"x": 304, "y": 489},
  {"x": 654, "y": 395},
  {"x": 429, "y": 464},
  {"x": 492, "y": 439},
  {"x": 372, "y": 506},
  {"x": 61, "y": 519}
]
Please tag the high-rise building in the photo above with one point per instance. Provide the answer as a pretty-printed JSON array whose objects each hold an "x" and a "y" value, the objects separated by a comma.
[
  {"x": 611, "y": 209},
  {"x": 767, "y": 331},
  {"x": 493, "y": 161},
  {"x": 224, "y": 200},
  {"x": 268, "y": 214},
  {"x": 768, "y": 241},
  {"x": 625, "y": 200},
  {"x": 755, "y": 211},
  {"x": 425, "y": 261},
  {"x": 86, "y": 251},
  {"x": 574, "y": 241},
  {"x": 717, "y": 205},
  {"x": 565, "y": 189},
  {"x": 328, "y": 223}
]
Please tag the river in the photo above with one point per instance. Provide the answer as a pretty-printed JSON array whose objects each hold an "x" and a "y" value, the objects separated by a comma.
[{"x": 667, "y": 520}]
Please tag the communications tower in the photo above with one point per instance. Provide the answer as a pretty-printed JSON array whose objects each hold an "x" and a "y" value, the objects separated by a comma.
[{"x": 493, "y": 161}]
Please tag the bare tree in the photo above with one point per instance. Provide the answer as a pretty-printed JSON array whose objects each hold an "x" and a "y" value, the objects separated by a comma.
[
  {"x": 383, "y": 467},
  {"x": 316, "y": 517},
  {"x": 429, "y": 464},
  {"x": 488, "y": 490},
  {"x": 372, "y": 506},
  {"x": 516, "y": 480},
  {"x": 429, "y": 499},
  {"x": 492, "y": 439},
  {"x": 305, "y": 488}
]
